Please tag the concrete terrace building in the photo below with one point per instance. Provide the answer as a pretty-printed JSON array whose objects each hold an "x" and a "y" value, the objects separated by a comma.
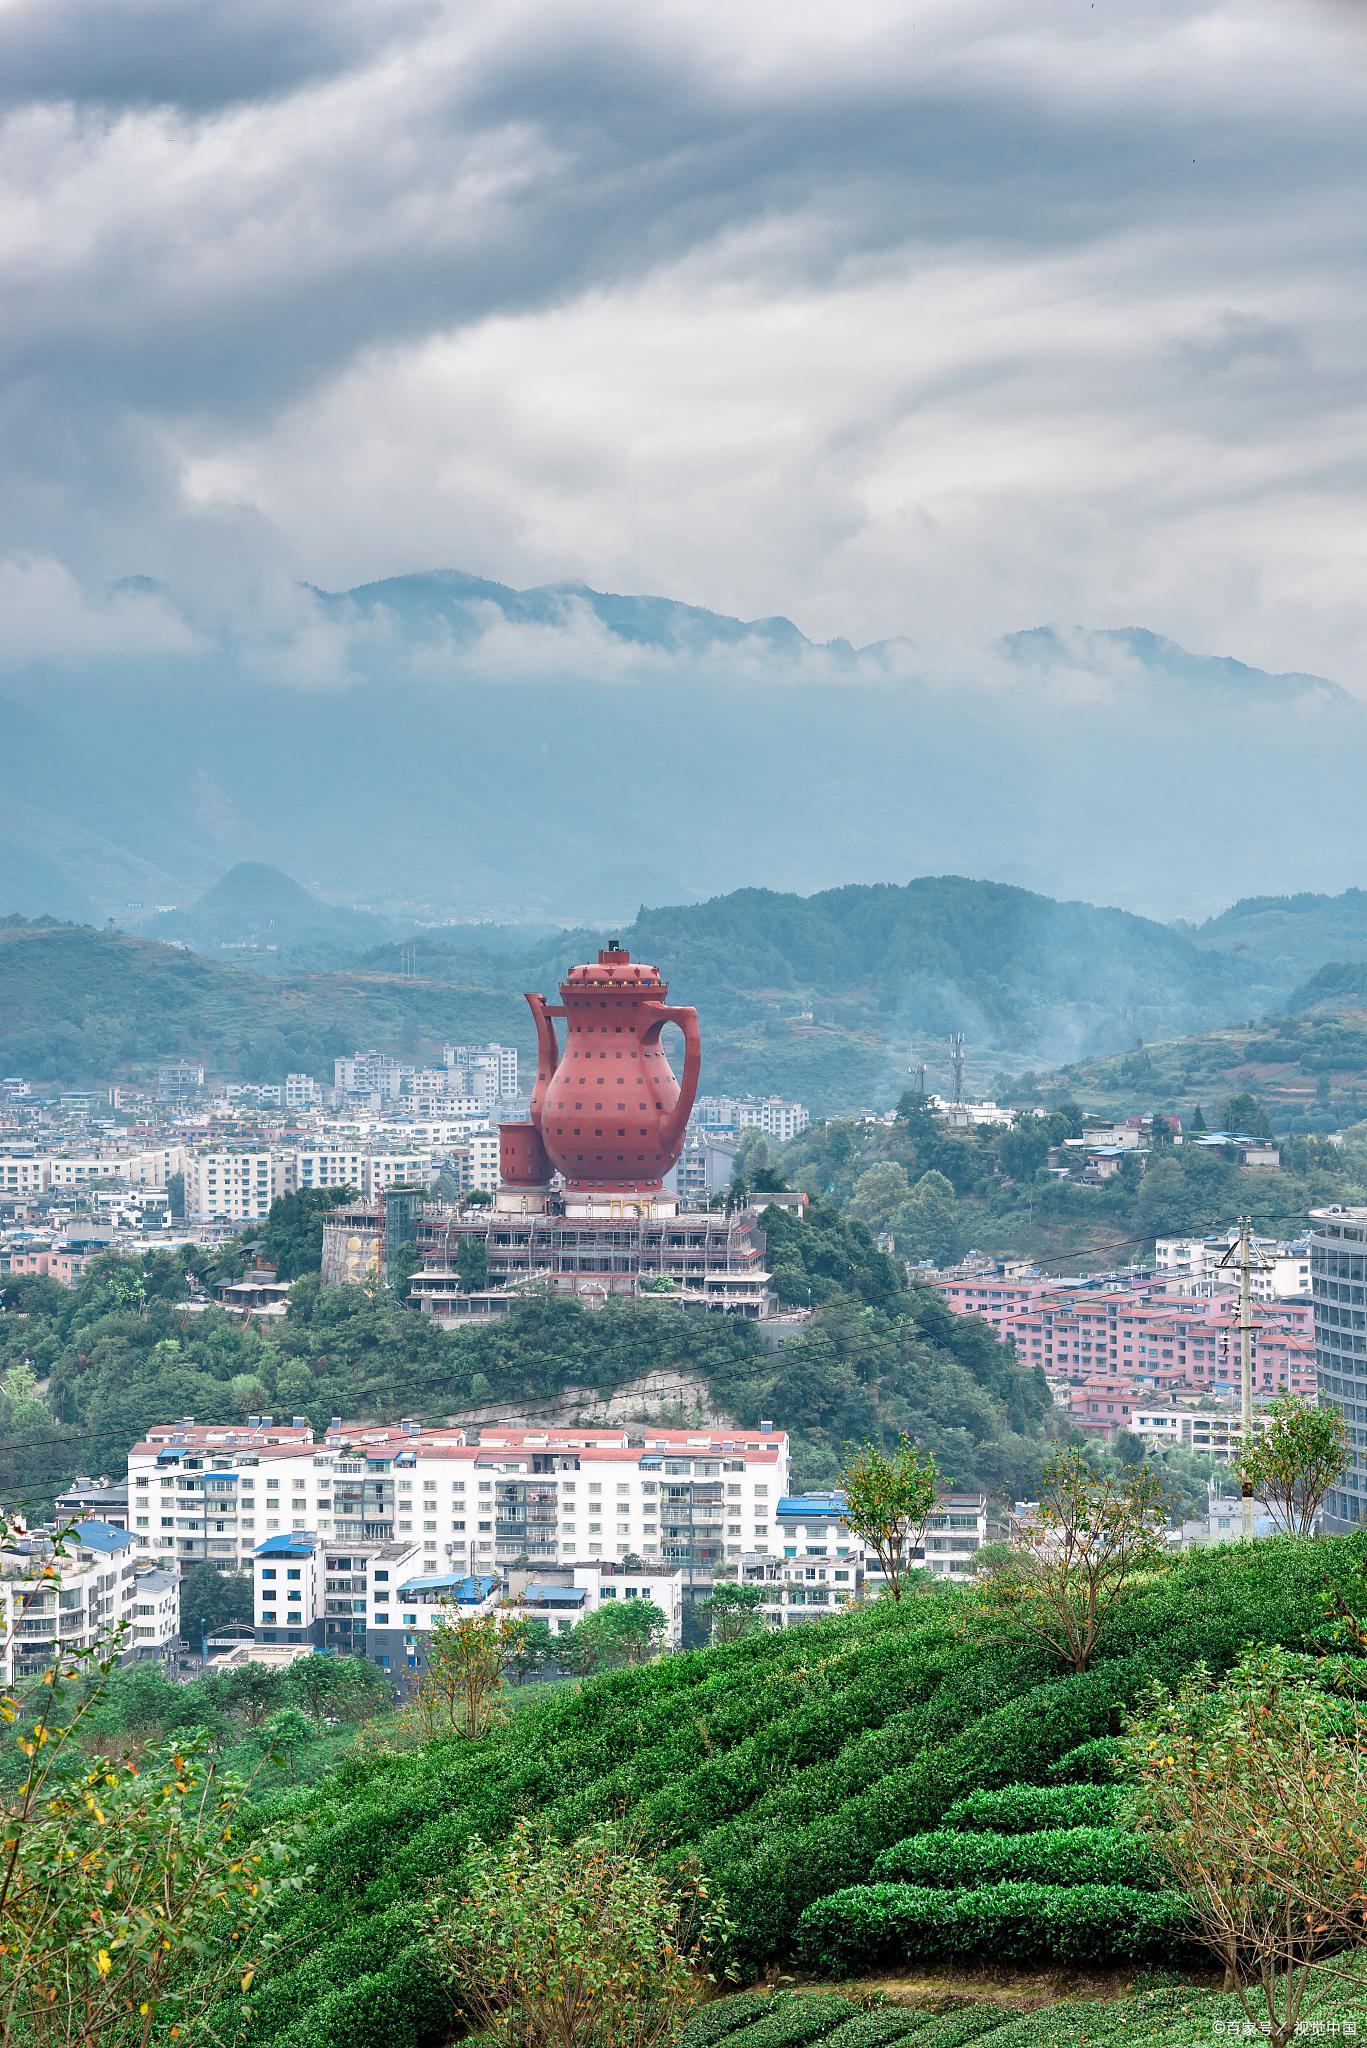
[
  {"x": 49, "y": 1605},
  {"x": 698, "y": 1258},
  {"x": 1128, "y": 1337},
  {"x": 680, "y": 1498},
  {"x": 1338, "y": 1272}
]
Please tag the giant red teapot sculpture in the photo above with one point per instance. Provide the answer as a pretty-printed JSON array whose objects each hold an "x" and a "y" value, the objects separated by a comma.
[{"x": 607, "y": 1111}]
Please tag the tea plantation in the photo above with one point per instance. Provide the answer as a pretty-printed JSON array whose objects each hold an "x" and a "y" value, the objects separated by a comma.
[{"x": 884, "y": 1784}]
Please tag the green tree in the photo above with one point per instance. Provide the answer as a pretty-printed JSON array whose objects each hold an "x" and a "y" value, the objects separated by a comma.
[
  {"x": 927, "y": 1224},
  {"x": 472, "y": 1264},
  {"x": 878, "y": 1194},
  {"x": 1091, "y": 1533},
  {"x": 1243, "y": 1116},
  {"x": 292, "y": 1235},
  {"x": 888, "y": 1502},
  {"x": 1252, "y": 1790},
  {"x": 734, "y": 1610},
  {"x": 619, "y": 1632},
  {"x": 210, "y": 1600},
  {"x": 1294, "y": 1461},
  {"x": 580, "y": 1944},
  {"x": 461, "y": 1691},
  {"x": 175, "y": 1197}
]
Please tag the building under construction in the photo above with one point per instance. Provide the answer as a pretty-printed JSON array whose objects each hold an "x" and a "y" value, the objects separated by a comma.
[{"x": 702, "y": 1259}]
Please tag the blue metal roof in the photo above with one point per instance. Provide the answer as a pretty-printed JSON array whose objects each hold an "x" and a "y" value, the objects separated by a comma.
[
  {"x": 459, "y": 1585},
  {"x": 555, "y": 1596},
  {"x": 102, "y": 1536},
  {"x": 809, "y": 1505},
  {"x": 301, "y": 1544}
]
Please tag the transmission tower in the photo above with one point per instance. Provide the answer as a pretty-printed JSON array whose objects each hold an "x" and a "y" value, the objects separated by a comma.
[
  {"x": 1243, "y": 1254},
  {"x": 917, "y": 1071},
  {"x": 956, "y": 1065}
]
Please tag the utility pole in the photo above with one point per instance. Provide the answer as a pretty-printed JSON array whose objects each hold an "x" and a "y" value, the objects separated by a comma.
[
  {"x": 1247, "y": 1259},
  {"x": 956, "y": 1064}
]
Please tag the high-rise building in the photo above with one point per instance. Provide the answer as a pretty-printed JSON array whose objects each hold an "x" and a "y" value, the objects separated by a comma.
[
  {"x": 1338, "y": 1285},
  {"x": 491, "y": 1068}
]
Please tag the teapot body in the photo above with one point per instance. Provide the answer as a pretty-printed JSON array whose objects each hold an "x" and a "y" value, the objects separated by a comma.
[{"x": 608, "y": 1108}]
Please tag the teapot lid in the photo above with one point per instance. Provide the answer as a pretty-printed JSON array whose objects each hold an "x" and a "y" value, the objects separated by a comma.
[{"x": 615, "y": 968}]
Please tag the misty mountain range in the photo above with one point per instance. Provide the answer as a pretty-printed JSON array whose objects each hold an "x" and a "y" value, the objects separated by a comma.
[
  {"x": 439, "y": 746},
  {"x": 831, "y": 997}
]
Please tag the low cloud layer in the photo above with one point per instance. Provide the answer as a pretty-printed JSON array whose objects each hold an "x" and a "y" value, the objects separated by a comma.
[{"x": 933, "y": 322}]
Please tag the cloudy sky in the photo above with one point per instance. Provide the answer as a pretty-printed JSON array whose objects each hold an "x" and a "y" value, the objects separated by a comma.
[{"x": 936, "y": 317}]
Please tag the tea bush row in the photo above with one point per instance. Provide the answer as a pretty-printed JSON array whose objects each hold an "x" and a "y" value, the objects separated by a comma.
[
  {"x": 1085, "y": 1855},
  {"x": 1022, "y": 1923},
  {"x": 1023, "y": 1809}
]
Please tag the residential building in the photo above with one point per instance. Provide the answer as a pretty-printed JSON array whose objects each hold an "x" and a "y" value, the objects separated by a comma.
[
  {"x": 99, "y": 1500},
  {"x": 777, "y": 1117},
  {"x": 1281, "y": 1271},
  {"x": 92, "y": 1593},
  {"x": 818, "y": 1564},
  {"x": 679, "y": 1498},
  {"x": 154, "y": 1623},
  {"x": 300, "y": 1091},
  {"x": 178, "y": 1078},
  {"x": 491, "y": 1069},
  {"x": 234, "y": 1186},
  {"x": 1338, "y": 1276}
]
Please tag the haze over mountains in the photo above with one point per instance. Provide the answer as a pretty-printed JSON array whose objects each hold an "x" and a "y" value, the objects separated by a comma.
[
  {"x": 439, "y": 745},
  {"x": 829, "y": 997}
]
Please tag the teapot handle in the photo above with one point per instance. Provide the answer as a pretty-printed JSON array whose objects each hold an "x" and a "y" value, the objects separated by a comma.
[
  {"x": 547, "y": 1050},
  {"x": 686, "y": 1017}
]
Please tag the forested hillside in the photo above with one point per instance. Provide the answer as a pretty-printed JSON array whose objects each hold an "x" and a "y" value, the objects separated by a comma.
[
  {"x": 826, "y": 997},
  {"x": 119, "y": 1354},
  {"x": 942, "y": 1193},
  {"x": 1308, "y": 1068}
]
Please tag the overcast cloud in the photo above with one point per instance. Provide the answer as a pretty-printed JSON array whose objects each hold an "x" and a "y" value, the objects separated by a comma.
[{"x": 939, "y": 318}]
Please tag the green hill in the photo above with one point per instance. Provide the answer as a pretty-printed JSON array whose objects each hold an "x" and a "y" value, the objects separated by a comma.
[
  {"x": 827, "y": 997},
  {"x": 1309, "y": 1070},
  {"x": 1287, "y": 938},
  {"x": 788, "y": 1765},
  {"x": 83, "y": 1005}
]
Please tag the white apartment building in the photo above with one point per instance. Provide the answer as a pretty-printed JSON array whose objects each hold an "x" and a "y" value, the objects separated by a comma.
[
  {"x": 31, "y": 1172},
  {"x": 379, "y": 1599},
  {"x": 476, "y": 1160},
  {"x": 494, "y": 1064},
  {"x": 368, "y": 1073},
  {"x": 154, "y": 1623},
  {"x": 687, "y": 1498},
  {"x": 23, "y": 1174},
  {"x": 1215, "y": 1432},
  {"x": 300, "y": 1091},
  {"x": 818, "y": 1565},
  {"x": 236, "y": 1186},
  {"x": 778, "y": 1118},
  {"x": 368, "y": 1169},
  {"x": 94, "y": 1590},
  {"x": 1281, "y": 1271}
]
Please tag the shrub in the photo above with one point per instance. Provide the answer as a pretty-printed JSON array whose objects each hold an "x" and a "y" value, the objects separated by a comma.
[
  {"x": 1011, "y": 1922},
  {"x": 1107, "y": 1856},
  {"x": 1098, "y": 1762},
  {"x": 570, "y": 1944},
  {"x": 1022, "y": 1809}
]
